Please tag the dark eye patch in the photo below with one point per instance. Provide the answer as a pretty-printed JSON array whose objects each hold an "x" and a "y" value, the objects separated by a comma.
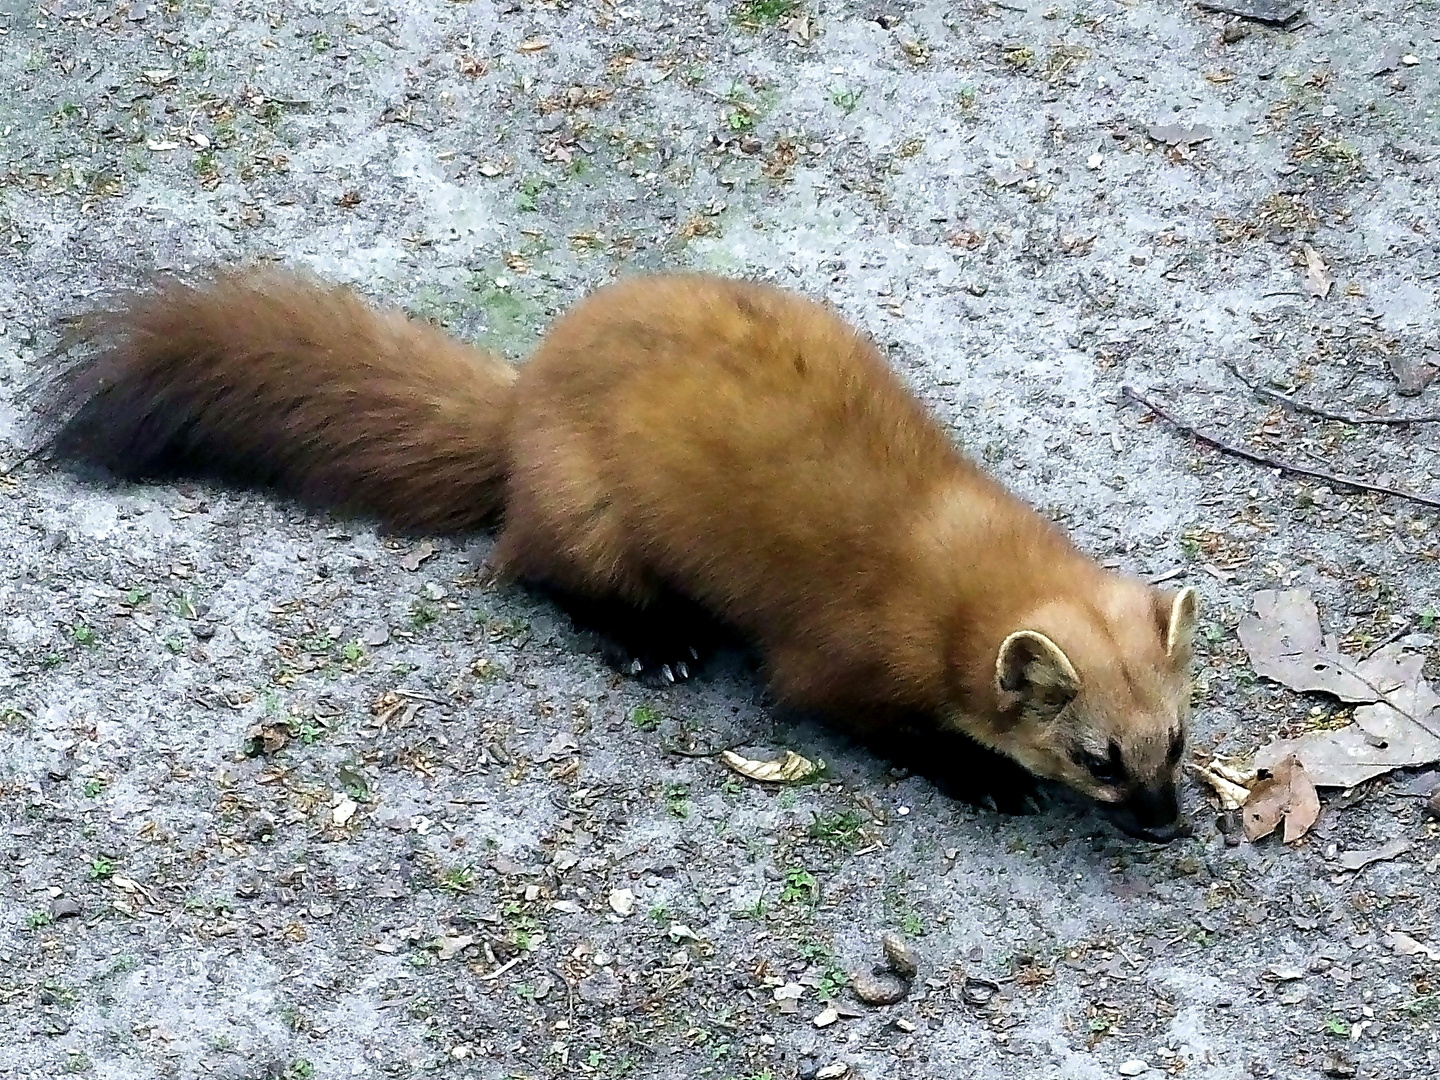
[{"x": 1109, "y": 769}]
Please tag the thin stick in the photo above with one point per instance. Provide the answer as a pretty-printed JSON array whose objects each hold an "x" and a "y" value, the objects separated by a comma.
[
  {"x": 1200, "y": 435},
  {"x": 1323, "y": 413}
]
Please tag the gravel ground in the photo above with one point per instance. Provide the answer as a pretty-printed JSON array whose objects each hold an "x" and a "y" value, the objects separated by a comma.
[{"x": 287, "y": 797}]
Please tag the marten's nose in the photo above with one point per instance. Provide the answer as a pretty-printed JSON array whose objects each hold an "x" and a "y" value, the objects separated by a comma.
[{"x": 1151, "y": 814}]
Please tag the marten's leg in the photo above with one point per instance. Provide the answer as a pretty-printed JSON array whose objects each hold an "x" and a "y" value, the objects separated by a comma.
[
  {"x": 959, "y": 766},
  {"x": 661, "y": 641},
  {"x": 646, "y": 630}
]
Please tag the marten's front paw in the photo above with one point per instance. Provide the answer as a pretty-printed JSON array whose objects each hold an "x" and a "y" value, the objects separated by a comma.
[
  {"x": 1017, "y": 793},
  {"x": 658, "y": 667}
]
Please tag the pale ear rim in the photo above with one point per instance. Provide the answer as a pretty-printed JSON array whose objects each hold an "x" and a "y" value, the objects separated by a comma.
[
  {"x": 1040, "y": 645},
  {"x": 1183, "y": 609}
]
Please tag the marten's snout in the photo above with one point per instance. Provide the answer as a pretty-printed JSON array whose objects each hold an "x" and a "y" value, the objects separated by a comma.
[{"x": 1152, "y": 814}]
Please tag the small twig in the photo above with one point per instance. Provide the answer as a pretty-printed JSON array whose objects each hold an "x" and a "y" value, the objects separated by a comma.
[
  {"x": 1404, "y": 629},
  {"x": 492, "y": 976},
  {"x": 28, "y": 456},
  {"x": 1200, "y": 435},
  {"x": 1323, "y": 413},
  {"x": 670, "y": 748}
]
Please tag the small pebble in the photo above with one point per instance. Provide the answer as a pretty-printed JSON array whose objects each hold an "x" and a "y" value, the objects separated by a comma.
[
  {"x": 602, "y": 988},
  {"x": 826, "y": 1017},
  {"x": 1433, "y": 806},
  {"x": 1134, "y": 1068},
  {"x": 875, "y": 989},
  {"x": 900, "y": 956},
  {"x": 65, "y": 907}
]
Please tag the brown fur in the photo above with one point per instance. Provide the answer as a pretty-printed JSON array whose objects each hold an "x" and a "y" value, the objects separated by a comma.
[
  {"x": 268, "y": 377},
  {"x": 729, "y": 442}
]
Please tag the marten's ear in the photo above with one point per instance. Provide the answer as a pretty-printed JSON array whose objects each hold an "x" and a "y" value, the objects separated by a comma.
[
  {"x": 1033, "y": 672},
  {"x": 1176, "y": 615}
]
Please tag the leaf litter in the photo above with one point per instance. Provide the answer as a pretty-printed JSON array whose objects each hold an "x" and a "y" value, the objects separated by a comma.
[
  {"x": 1396, "y": 724},
  {"x": 1287, "y": 795}
]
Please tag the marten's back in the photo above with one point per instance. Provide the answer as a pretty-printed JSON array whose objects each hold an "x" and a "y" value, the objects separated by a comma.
[{"x": 734, "y": 441}]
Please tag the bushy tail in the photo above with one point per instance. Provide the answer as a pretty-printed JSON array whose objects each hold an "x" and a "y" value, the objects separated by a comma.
[{"x": 267, "y": 377}]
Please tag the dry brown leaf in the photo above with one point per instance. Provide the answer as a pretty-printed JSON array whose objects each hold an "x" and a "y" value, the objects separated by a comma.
[
  {"x": 447, "y": 948},
  {"x": 1317, "y": 274},
  {"x": 1285, "y": 795},
  {"x": 1404, "y": 945},
  {"x": 1231, "y": 785},
  {"x": 1397, "y": 724},
  {"x": 1077, "y": 243},
  {"x": 1180, "y": 134},
  {"x": 411, "y": 560},
  {"x": 1358, "y": 860},
  {"x": 788, "y": 770},
  {"x": 1284, "y": 642}
]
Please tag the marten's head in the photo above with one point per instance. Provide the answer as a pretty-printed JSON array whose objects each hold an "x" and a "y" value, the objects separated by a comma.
[{"x": 1095, "y": 691}]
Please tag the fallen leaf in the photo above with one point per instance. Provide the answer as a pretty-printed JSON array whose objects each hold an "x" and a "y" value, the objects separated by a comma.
[
  {"x": 344, "y": 810},
  {"x": 1396, "y": 725},
  {"x": 1413, "y": 374},
  {"x": 1358, "y": 860},
  {"x": 562, "y": 745},
  {"x": 1389, "y": 59},
  {"x": 1270, "y": 12},
  {"x": 447, "y": 948},
  {"x": 1317, "y": 275},
  {"x": 1077, "y": 243},
  {"x": 534, "y": 44},
  {"x": 1179, "y": 134},
  {"x": 679, "y": 932},
  {"x": 1401, "y": 730},
  {"x": 1231, "y": 785},
  {"x": 266, "y": 739},
  {"x": 1284, "y": 642},
  {"x": 1405, "y": 945},
  {"x": 472, "y": 66},
  {"x": 800, "y": 29},
  {"x": 412, "y": 559},
  {"x": 1285, "y": 795},
  {"x": 788, "y": 770}
]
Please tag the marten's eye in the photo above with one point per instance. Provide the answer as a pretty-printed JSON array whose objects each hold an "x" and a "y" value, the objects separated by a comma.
[{"x": 1108, "y": 770}]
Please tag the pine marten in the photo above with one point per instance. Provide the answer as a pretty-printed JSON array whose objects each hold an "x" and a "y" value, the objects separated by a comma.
[{"x": 675, "y": 444}]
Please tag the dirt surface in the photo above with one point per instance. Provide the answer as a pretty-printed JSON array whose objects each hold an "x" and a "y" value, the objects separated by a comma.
[{"x": 285, "y": 797}]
